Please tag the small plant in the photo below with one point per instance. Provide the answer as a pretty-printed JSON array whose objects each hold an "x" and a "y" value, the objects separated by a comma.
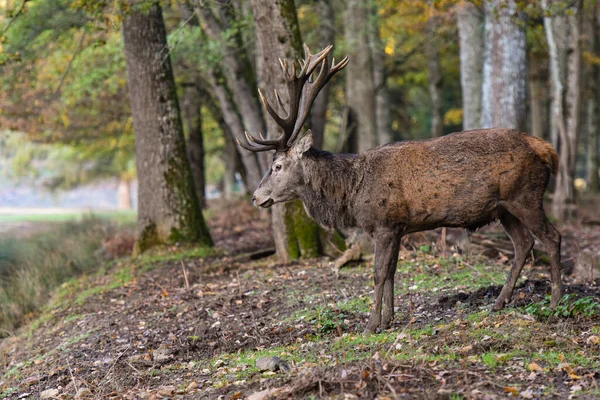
[
  {"x": 570, "y": 306},
  {"x": 327, "y": 319}
]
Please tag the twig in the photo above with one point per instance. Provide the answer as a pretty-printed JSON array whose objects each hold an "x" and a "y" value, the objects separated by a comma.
[
  {"x": 73, "y": 379},
  {"x": 19, "y": 12},
  {"x": 187, "y": 283},
  {"x": 237, "y": 272},
  {"x": 64, "y": 75},
  {"x": 115, "y": 362}
]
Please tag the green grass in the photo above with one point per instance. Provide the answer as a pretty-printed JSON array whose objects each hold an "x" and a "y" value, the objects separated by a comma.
[{"x": 32, "y": 268}]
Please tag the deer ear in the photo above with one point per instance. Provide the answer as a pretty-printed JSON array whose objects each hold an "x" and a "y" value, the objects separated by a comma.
[{"x": 302, "y": 145}]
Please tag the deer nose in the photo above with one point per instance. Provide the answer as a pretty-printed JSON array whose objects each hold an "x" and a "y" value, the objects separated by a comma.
[{"x": 254, "y": 200}]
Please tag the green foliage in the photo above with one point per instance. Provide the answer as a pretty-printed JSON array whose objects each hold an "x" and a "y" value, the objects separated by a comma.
[{"x": 570, "y": 306}]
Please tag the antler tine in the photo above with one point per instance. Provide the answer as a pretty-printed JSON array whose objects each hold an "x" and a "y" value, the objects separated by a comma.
[
  {"x": 312, "y": 89},
  {"x": 254, "y": 149},
  {"x": 302, "y": 91},
  {"x": 280, "y": 103},
  {"x": 280, "y": 121},
  {"x": 313, "y": 60},
  {"x": 263, "y": 141}
]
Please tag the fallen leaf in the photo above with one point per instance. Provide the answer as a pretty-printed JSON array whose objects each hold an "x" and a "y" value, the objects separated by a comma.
[
  {"x": 512, "y": 390},
  {"x": 534, "y": 367}
]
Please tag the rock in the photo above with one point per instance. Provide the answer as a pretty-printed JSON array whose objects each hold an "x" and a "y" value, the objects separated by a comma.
[
  {"x": 49, "y": 393},
  {"x": 272, "y": 364}
]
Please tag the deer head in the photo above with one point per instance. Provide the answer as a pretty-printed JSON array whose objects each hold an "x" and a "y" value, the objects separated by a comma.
[{"x": 284, "y": 175}]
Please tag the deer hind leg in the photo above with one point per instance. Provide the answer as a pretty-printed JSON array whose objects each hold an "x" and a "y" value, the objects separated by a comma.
[
  {"x": 536, "y": 221},
  {"x": 523, "y": 243},
  {"x": 388, "y": 292},
  {"x": 386, "y": 255}
]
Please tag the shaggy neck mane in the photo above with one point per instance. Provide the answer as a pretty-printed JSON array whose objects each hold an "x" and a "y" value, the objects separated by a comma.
[{"x": 329, "y": 187}]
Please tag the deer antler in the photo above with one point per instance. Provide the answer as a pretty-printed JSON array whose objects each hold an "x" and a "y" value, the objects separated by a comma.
[{"x": 302, "y": 92}]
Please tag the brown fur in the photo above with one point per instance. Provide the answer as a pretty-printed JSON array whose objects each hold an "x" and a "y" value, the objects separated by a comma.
[{"x": 465, "y": 179}]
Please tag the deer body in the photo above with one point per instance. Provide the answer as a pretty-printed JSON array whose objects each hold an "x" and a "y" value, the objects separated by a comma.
[
  {"x": 465, "y": 179},
  {"x": 458, "y": 180}
]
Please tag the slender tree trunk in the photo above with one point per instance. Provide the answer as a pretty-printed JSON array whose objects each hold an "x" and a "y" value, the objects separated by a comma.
[
  {"x": 505, "y": 67},
  {"x": 278, "y": 36},
  {"x": 563, "y": 35},
  {"x": 594, "y": 127},
  {"x": 234, "y": 122},
  {"x": 434, "y": 68},
  {"x": 124, "y": 195},
  {"x": 383, "y": 112},
  {"x": 318, "y": 115},
  {"x": 537, "y": 95},
  {"x": 360, "y": 91},
  {"x": 239, "y": 75},
  {"x": 470, "y": 31},
  {"x": 191, "y": 107},
  {"x": 168, "y": 208}
]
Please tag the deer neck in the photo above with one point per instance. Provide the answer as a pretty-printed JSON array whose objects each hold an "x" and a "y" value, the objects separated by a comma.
[{"x": 330, "y": 182}]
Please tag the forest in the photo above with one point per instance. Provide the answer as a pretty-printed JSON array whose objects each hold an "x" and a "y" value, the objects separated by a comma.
[{"x": 183, "y": 289}]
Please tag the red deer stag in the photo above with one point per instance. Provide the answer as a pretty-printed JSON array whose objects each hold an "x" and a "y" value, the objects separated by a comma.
[{"x": 466, "y": 179}]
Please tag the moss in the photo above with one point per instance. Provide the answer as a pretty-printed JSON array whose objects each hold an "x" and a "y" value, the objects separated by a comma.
[
  {"x": 303, "y": 233},
  {"x": 147, "y": 238},
  {"x": 290, "y": 16}
]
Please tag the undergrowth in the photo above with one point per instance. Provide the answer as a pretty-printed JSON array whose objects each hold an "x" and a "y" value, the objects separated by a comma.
[
  {"x": 570, "y": 306},
  {"x": 32, "y": 267}
]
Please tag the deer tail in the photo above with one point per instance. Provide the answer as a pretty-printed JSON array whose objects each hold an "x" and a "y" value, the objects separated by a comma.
[{"x": 545, "y": 151}]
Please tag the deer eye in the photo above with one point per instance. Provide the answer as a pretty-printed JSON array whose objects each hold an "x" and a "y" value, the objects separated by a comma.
[{"x": 278, "y": 167}]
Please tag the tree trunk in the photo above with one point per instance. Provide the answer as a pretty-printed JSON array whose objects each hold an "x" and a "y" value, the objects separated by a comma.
[
  {"x": 233, "y": 121},
  {"x": 360, "y": 91},
  {"x": 594, "y": 127},
  {"x": 537, "y": 96},
  {"x": 318, "y": 114},
  {"x": 239, "y": 75},
  {"x": 383, "y": 112},
  {"x": 168, "y": 208},
  {"x": 124, "y": 195},
  {"x": 278, "y": 36},
  {"x": 434, "y": 68},
  {"x": 470, "y": 31},
  {"x": 192, "y": 119},
  {"x": 562, "y": 33},
  {"x": 505, "y": 67}
]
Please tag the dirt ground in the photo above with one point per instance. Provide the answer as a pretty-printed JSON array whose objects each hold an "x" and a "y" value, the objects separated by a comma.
[{"x": 191, "y": 323}]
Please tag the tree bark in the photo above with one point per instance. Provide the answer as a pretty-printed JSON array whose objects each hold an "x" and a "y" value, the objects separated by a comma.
[
  {"x": 537, "y": 96},
  {"x": 563, "y": 36},
  {"x": 434, "y": 68},
  {"x": 192, "y": 119},
  {"x": 360, "y": 91},
  {"x": 470, "y": 21},
  {"x": 124, "y": 195},
  {"x": 236, "y": 127},
  {"x": 278, "y": 36},
  {"x": 239, "y": 75},
  {"x": 318, "y": 115},
  {"x": 594, "y": 127},
  {"x": 168, "y": 208},
  {"x": 505, "y": 67},
  {"x": 383, "y": 112}
]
